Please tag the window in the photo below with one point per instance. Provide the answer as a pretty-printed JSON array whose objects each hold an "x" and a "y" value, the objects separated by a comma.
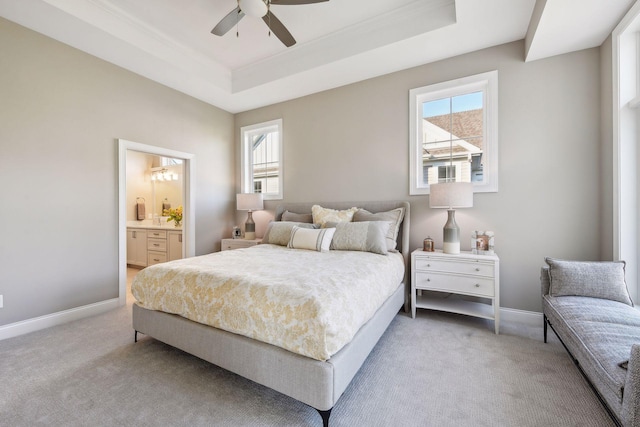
[
  {"x": 262, "y": 159},
  {"x": 453, "y": 134}
]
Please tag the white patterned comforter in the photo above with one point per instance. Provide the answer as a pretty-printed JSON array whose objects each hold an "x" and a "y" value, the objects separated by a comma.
[{"x": 311, "y": 303}]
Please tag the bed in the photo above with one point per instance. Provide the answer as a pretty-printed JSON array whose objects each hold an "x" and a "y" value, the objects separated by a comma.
[{"x": 315, "y": 374}]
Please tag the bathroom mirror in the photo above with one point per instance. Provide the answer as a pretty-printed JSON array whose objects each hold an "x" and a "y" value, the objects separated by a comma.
[{"x": 155, "y": 181}]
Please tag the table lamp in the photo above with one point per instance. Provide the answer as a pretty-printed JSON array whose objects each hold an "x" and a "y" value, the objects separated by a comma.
[
  {"x": 249, "y": 202},
  {"x": 451, "y": 195}
]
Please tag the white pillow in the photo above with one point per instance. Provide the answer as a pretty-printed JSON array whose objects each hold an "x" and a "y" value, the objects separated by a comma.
[
  {"x": 311, "y": 239},
  {"x": 323, "y": 215}
]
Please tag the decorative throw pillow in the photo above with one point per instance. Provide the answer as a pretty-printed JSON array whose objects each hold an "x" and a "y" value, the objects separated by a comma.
[
  {"x": 365, "y": 236},
  {"x": 323, "y": 215},
  {"x": 297, "y": 217},
  {"x": 311, "y": 239},
  {"x": 279, "y": 232},
  {"x": 394, "y": 216},
  {"x": 589, "y": 279}
]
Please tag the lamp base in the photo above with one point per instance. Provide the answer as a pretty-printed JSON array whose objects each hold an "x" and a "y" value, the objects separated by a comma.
[
  {"x": 249, "y": 228},
  {"x": 451, "y": 248},
  {"x": 451, "y": 240}
]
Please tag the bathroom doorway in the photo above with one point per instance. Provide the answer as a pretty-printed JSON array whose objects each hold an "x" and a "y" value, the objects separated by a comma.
[{"x": 175, "y": 162}]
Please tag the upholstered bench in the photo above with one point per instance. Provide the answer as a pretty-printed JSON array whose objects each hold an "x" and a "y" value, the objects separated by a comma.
[{"x": 587, "y": 304}]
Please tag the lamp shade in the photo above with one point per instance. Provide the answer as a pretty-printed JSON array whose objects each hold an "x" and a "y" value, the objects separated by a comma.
[
  {"x": 451, "y": 195},
  {"x": 249, "y": 202}
]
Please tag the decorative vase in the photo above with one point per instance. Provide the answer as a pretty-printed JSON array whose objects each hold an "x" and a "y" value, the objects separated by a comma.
[{"x": 177, "y": 223}]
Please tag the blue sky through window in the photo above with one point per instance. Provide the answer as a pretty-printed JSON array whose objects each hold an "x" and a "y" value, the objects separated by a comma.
[{"x": 470, "y": 101}]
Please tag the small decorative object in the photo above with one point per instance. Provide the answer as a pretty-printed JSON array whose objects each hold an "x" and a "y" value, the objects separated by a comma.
[
  {"x": 428, "y": 245},
  {"x": 236, "y": 232},
  {"x": 482, "y": 242},
  {"x": 176, "y": 216}
]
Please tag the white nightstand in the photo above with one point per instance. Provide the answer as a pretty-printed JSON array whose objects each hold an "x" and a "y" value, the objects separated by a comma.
[
  {"x": 447, "y": 276},
  {"x": 228, "y": 244}
]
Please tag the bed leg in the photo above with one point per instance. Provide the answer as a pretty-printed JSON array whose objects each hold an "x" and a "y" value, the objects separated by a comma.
[
  {"x": 135, "y": 336},
  {"x": 325, "y": 417},
  {"x": 544, "y": 320}
]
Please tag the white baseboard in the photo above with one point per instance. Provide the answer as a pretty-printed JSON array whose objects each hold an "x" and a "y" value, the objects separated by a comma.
[
  {"x": 31, "y": 325},
  {"x": 531, "y": 318}
]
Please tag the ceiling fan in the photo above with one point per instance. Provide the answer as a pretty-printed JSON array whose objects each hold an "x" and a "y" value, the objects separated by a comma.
[{"x": 261, "y": 9}]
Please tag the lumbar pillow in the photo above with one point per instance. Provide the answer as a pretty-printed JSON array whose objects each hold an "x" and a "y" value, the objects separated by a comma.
[
  {"x": 279, "y": 232},
  {"x": 323, "y": 215},
  {"x": 366, "y": 236},
  {"x": 311, "y": 239},
  {"x": 394, "y": 216},
  {"x": 603, "y": 279},
  {"x": 297, "y": 217}
]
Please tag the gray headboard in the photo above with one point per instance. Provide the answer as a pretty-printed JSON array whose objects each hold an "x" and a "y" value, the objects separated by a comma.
[{"x": 403, "y": 233}]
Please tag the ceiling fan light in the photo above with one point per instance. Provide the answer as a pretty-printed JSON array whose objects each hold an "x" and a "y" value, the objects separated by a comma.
[{"x": 256, "y": 8}]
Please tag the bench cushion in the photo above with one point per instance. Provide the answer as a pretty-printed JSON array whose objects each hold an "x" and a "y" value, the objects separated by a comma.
[{"x": 599, "y": 334}]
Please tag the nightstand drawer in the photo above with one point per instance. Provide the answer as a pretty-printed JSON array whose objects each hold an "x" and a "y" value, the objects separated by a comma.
[
  {"x": 229, "y": 244},
  {"x": 455, "y": 266},
  {"x": 156, "y": 244},
  {"x": 478, "y": 286}
]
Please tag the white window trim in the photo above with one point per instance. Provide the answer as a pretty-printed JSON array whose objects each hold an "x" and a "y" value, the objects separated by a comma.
[
  {"x": 246, "y": 174},
  {"x": 626, "y": 142},
  {"x": 485, "y": 82}
]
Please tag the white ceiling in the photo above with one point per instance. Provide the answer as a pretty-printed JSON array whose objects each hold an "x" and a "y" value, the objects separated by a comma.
[{"x": 339, "y": 41}]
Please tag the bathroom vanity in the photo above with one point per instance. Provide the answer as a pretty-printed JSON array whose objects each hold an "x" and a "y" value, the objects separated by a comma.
[{"x": 149, "y": 244}]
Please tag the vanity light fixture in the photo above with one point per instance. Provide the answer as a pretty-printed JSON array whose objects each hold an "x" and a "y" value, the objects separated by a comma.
[{"x": 163, "y": 174}]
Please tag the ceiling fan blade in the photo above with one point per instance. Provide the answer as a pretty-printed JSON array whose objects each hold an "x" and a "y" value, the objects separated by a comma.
[
  {"x": 279, "y": 29},
  {"x": 228, "y": 22},
  {"x": 294, "y": 2}
]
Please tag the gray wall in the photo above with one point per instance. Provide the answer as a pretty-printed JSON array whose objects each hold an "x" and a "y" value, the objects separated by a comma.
[
  {"x": 352, "y": 143},
  {"x": 61, "y": 113},
  {"x": 606, "y": 155}
]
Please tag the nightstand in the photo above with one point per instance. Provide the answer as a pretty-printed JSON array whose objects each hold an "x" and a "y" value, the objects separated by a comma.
[
  {"x": 445, "y": 278},
  {"x": 228, "y": 244}
]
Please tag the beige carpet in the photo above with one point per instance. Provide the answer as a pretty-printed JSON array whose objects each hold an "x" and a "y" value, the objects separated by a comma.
[{"x": 435, "y": 370}]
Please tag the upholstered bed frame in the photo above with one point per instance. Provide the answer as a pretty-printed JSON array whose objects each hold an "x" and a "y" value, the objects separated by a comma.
[{"x": 316, "y": 383}]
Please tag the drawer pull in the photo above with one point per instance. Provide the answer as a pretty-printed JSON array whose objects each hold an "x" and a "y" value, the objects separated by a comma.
[
  {"x": 156, "y": 259},
  {"x": 477, "y": 285},
  {"x": 155, "y": 244},
  {"x": 428, "y": 280},
  {"x": 477, "y": 269},
  {"x": 428, "y": 265}
]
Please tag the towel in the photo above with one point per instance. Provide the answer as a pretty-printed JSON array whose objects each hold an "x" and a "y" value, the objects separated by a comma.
[{"x": 140, "y": 208}]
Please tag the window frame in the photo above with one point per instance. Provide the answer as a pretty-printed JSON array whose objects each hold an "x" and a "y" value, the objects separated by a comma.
[
  {"x": 246, "y": 166},
  {"x": 487, "y": 83}
]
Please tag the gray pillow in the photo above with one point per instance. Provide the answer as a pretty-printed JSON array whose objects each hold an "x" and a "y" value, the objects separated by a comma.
[
  {"x": 279, "y": 232},
  {"x": 394, "y": 216},
  {"x": 297, "y": 217},
  {"x": 604, "y": 279},
  {"x": 367, "y": 236}
]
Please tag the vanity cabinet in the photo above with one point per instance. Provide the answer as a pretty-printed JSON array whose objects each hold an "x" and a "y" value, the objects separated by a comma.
[
  {"x": 137, "y": 246},
  {"x": 149, "y": 246},
  {"x": 156, "y": 247},
  {"x": 174, "y": 245}
]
